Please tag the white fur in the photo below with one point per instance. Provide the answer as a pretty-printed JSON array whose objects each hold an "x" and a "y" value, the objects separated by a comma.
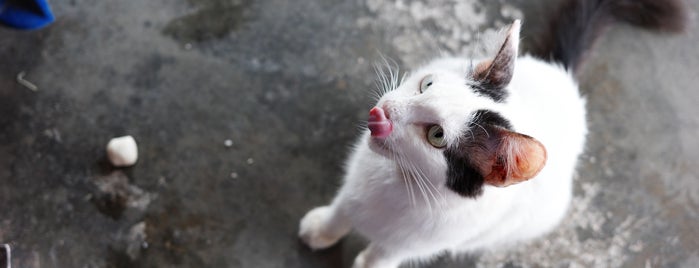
[{"x": 416, "y": 217}]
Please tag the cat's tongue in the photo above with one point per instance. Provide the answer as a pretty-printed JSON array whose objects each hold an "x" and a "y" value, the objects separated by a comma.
[{"x": 378, "y": 124}]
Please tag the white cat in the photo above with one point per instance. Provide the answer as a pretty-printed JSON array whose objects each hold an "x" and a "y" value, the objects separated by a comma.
[{"x": 462, "y": 158}]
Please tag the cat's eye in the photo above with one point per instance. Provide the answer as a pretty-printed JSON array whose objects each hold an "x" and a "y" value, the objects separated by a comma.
[
  {"x": 425, "y": 83},
  {"x": 435, "y": 136}
]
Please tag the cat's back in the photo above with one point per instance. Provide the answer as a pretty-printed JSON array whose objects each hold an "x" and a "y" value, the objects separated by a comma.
[{"x": 545, "y": 103}]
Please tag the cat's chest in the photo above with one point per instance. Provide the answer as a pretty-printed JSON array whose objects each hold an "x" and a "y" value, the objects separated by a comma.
[{"x": 384, "y": 199}]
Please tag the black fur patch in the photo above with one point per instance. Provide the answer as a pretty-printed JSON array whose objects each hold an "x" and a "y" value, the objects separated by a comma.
[
  {"x": 490, "y": 118},
  {"x": 495, "y": 93},
  {"x": 463, "y": 176}
]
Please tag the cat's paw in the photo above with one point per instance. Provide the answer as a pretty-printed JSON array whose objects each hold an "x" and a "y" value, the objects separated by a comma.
[
  {"x": 362, "y": 261},
  {"x": 313, "y": 229},
  {"x": 373, "y": 257}
]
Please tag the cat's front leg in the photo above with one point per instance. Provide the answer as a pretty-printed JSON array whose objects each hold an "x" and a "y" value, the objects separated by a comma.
[
  {"x": 376, "y": 257},
  {"x": 323, "y": 226}
]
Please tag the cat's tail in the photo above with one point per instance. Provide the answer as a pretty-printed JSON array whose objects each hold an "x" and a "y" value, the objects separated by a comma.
[{"x": 577, "y": 24}]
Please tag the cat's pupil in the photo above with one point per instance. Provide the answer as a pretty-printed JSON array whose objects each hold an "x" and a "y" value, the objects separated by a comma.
[
  {"x": 439, "y": 134},
  {"x": 425, "y": 83}
]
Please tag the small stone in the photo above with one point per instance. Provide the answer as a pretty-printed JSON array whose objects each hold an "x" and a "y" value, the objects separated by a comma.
[
  {"x": 228, "y": 143},
  {"x": 122, "y": 151},
  {"x": 187, "y": 46},
  {"x": 234, "y": 175},
  {"x": 250, "y": 161}
]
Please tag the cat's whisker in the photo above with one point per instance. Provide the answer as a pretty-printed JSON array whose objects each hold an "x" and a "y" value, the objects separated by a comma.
[
  {"x": 405, "y": 176},
  {"x": 422, "y": 174},
  {"x": 376, "y": 94},
  {"x": 410, "y": 175},
  {"x": 423, "y": 191},
  {"x": 387, "y": 84},
  {"x": 428, "y": 183},
  {"x": 381, "y": 81},
  {"x": 384, "y": 82},
  {"x": 402, "y": 79},
  {"x": 393, "y": 76},
  {"x": 410, "y": 180},
  {"x": 361, "y": 126},
  {"x": 420, "y": 183},
  {"x": 391, "y": 81}
]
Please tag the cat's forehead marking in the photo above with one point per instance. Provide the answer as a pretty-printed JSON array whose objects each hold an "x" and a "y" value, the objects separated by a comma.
[
  {"x": 489, "y": 117},
  {"x": 495, "y": 94}
]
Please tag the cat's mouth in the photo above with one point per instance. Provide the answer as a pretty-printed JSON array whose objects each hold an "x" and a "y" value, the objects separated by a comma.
[
  {"x": 379, "y": 124},
  {"x": 380, "y": 127}
]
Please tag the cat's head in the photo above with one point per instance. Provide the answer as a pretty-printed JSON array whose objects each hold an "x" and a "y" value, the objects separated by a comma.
[{"x": 445, "y": 123}]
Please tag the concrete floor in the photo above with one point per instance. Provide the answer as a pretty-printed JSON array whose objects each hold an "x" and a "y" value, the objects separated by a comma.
[{"x": 288, "y": 82}]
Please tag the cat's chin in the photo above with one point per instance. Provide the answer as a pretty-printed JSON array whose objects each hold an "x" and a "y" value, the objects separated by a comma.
[{"x": 380, "y": 146}]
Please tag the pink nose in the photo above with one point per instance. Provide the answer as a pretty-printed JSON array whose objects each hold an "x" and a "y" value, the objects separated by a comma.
[{"x": 379, "y": 125}]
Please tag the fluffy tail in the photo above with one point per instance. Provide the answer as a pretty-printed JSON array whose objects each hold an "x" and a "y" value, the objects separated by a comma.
[{"x": 577, "y": 24}]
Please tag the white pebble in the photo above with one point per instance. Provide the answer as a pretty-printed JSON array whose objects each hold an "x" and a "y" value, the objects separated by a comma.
[
  {"x": 234, "y": 175},
  {"x": 228, "y": 143},
  {"x": 250, "y": 161},
  {"x": 122, "y": 151}
]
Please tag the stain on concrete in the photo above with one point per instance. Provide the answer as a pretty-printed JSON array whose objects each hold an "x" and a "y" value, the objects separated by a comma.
[
  {"x": 145, "y": 74},
  {"x": 114, "y": 195},
  {"x": 212, "y": 19}
]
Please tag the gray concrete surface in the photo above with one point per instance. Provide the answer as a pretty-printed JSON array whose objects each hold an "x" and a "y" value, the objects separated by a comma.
[{"x": 288, "y": 82}]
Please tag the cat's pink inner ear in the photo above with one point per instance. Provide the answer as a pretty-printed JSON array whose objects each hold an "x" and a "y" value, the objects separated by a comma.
[
  {"x": 497, "y": 71},
  {"x": 518, "y": 158}
]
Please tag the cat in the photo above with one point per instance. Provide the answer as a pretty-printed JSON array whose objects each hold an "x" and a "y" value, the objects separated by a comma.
[{"x": 461, "y": 157}]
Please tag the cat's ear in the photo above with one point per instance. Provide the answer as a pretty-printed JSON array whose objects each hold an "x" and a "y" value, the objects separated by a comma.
[
  {"x": 510, "y": 158},
  {"x": 496, "y": 73}
]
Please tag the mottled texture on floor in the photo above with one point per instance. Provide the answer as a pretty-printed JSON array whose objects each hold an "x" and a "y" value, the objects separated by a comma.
[{"x": 289, "y": 82}]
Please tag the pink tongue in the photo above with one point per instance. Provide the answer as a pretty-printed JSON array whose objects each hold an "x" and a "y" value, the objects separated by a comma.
[{"x": 378, "y": 124}]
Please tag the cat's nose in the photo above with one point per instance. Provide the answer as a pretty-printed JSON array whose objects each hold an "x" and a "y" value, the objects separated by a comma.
[
  {"x": 379, "y": 125},
  {"x": 390, "y": 108}
]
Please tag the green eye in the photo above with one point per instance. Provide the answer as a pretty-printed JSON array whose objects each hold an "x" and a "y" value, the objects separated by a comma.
[
  {"x": 425, "y": 83},
  {"x": 435, "y": 136}
]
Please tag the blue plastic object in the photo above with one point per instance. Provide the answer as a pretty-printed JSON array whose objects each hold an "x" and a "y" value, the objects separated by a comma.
[{"x": 25, "y": 14}]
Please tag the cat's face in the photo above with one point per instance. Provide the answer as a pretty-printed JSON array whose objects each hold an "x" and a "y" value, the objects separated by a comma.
[{"x": 444, "y": 124}]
